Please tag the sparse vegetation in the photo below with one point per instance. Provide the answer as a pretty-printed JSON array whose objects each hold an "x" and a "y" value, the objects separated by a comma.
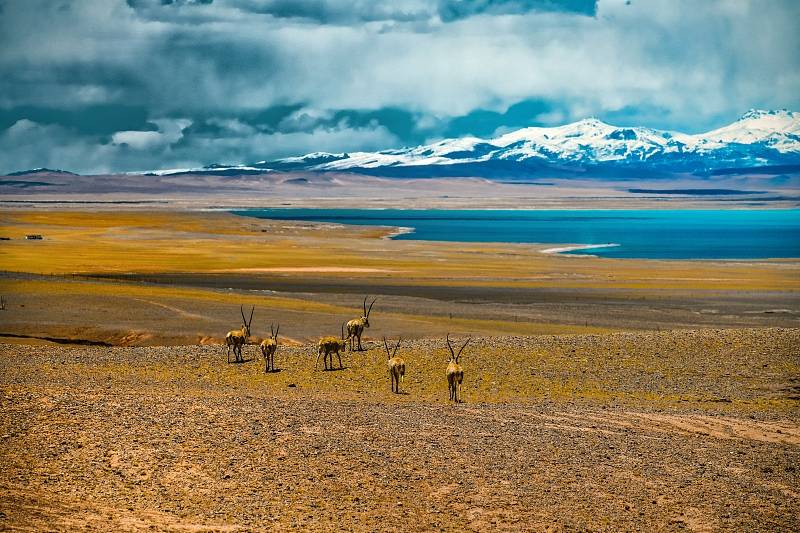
[{"x": 596, "y": 427}]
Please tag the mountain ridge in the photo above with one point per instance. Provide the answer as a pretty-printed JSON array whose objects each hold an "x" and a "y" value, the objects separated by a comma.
[
  {"x": 589, "y": 147},
  {"x": 759, "y": 138}
]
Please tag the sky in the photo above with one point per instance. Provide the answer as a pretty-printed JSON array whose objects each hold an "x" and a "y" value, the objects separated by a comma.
[{"x": 97, "y": 86}]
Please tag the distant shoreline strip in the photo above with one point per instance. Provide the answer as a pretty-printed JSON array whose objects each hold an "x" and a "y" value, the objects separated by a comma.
[
  {"x": 576, "y": 247},
  {"x": 397, "y": 231}
]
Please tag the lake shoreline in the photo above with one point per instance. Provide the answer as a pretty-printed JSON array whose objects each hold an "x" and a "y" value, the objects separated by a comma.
[{"x": 720, "y": 235}]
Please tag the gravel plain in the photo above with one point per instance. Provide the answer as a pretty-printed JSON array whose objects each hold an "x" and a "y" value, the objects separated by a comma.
[{"x": 673, "y": 430}]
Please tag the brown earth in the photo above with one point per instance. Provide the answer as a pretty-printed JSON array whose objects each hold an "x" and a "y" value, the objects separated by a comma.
[{"x": 675, "y": 430}]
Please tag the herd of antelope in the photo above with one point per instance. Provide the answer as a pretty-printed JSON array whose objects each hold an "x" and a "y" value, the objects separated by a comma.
[{"x": 329, "y": 346}]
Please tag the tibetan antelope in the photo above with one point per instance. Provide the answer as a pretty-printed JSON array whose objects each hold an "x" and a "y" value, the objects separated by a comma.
[
  {"x": 397, "y": 366},
  {"x": 268, "y": 347},
  {"x": 355, "y": 327},
  {"x": 455, "y": 373},
  {"x": 237, "y": 338},
  {"x": 329, "y": 346}
]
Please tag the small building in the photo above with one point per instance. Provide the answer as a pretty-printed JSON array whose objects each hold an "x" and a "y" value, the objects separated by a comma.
[{"x": 34, "y": 237}]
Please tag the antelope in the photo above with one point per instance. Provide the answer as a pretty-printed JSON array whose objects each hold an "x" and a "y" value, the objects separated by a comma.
[
  {"x": 330, "y": 345},
  {"x": 355, "y": 327},
  {"x": 455, "y": 373},
  {"x": 397, "y": 366},
  {"x": 268, "y": 347},
  {"x": 237, "y": 338}
]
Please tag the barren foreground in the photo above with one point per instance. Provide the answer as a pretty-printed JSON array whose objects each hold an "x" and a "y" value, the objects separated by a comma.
[{"x": 670, "y": 430}]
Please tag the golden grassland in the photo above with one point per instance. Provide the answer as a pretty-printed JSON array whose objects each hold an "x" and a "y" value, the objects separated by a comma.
[
  {"x": 108, "y": 242},
  {"x": 217, "y": 244}
]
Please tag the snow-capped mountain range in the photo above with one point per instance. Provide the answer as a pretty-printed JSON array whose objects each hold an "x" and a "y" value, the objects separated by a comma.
[{"x": 757, "y": 139}]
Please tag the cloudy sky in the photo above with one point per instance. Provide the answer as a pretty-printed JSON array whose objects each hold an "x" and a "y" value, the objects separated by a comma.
[{"x": 116, "y": 85}]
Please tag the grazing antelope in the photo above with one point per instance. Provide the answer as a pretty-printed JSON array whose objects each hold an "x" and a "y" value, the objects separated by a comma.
[
  {"x": 355, "y": 328},
  {"x": 397, "y": 366},
  {"x": 329, "y": 346},
  {"x": 237, "y": 338},
  {"x": 455, "y": 373},
  {"x": 268, "y": 347}
]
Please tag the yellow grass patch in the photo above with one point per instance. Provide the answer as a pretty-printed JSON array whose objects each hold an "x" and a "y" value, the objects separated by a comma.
[{"x": 162, "y": 242}]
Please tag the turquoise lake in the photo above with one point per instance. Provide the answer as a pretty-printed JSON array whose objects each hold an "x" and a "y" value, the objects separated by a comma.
[{"x": 668, "y": 234}]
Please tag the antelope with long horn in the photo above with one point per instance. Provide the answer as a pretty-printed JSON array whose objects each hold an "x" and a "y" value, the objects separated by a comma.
[
  {"x": 237, "y": 338},
  {"x": 268, "y": 347},
  {"x": 355, "y": 327},
  {"x": 455, "y": 372},
  {"x": 331, "y": 345},
  {"x": 397, "y": 366}
]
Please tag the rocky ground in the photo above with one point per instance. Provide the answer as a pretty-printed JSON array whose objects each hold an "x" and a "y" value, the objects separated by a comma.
[{"x": 674, "y": 430}]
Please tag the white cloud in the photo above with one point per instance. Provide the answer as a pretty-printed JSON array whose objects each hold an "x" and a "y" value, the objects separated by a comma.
[
  {"x": 676, "y": 64},
  {"x": 140, "y": 140},
  {"x": 29, "y": 145},
  {"x": 169, "y": 132},
  {"x": 687, "y": 57}
]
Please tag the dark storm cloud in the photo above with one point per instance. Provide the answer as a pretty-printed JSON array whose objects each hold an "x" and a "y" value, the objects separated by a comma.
[
  {"x": 337, "y": 12},
  {"x": 144, "y": 4},
  {"x": 483, "y": 123},
  {"x": 287, "y": 119},
  {"x": 90, "y": 120},
  {"x": 361, "y": 11},
  {"x": 450, "y": 10}
]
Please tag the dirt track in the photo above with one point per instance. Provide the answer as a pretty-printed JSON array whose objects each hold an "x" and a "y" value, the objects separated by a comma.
[{"x": 576, "y": 435}]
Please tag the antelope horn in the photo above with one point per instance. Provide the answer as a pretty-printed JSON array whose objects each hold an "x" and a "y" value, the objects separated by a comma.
[
  {"x": 277, "y": 330},
  {"x": 241, "y": 310},
  {"x": 462, "y": 348},
  {"x": 365, "y": 305},
  {"x": 452, "y": 353},
  {"x": 271, "y": 330},
  {"x": 370, "y": 306},
  {"x": 251, "y": 316},
  {"x": 387, "y": 348},
  {"x": 397, "y": 346}
]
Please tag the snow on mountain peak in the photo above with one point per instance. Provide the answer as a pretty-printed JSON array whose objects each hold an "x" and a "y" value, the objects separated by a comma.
[
  {"x": 778, "y": 129},
  {"x": 759, "y": 113},
  {"x": 593, "y": 141},
  {"x": 758, "y": 138}
]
